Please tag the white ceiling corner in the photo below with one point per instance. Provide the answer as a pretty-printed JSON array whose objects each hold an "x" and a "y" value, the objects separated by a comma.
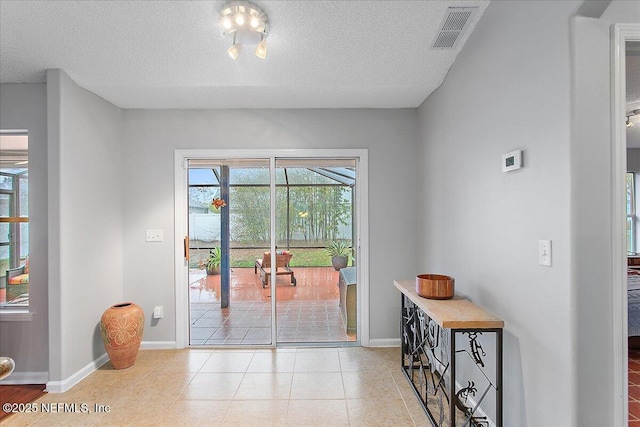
[{"x": 171, "y": 54}]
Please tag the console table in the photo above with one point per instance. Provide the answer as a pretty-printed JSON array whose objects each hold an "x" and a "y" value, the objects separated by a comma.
[{"x": 452, "y": 357}]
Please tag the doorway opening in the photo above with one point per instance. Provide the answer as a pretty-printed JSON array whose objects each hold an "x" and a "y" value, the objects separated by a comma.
[{"x": 622, "y": 36}]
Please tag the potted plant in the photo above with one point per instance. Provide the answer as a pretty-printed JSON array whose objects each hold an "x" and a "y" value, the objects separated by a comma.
[
  {"x": 340, "y": 252},
  {"x": 212, "y": 264}
]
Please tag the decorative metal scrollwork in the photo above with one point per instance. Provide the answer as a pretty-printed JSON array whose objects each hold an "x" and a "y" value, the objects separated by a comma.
[
  {"x": 476, "y": 348},
  {"x": 432, "y": 334},
  {"x": 461, "y": 398}
]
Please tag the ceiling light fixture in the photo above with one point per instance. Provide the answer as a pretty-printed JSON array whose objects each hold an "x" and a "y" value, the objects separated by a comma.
[
  {"x": 632, "y": 113},
  {"x": 261, "y": 50},
  {"x": 234, "y": 50},
  {"x": 248, "y": 24}
]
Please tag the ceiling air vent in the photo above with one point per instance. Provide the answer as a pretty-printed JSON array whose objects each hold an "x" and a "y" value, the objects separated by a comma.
[{"x": 454, "y": 24}]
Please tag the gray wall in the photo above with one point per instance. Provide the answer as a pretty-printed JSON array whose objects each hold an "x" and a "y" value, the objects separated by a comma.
[
  {"x": 508, "y": 89},
  {"x": 24, "y": 107},
  {"x": 591, "y": 210},
  {"x": 633, "y": 160},
  {"x": 150, "y": 138},
  {"x": 591, "y": 219},
  {"x": 85, "y": 211},
  {"x": 548, "y": 95}
]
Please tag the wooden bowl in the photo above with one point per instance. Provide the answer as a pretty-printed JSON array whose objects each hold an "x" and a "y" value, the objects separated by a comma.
[{"x": 434, "y": 286}]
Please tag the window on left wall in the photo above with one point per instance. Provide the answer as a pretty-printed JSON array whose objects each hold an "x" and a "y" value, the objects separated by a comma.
[{"x": 14, "y": 220}]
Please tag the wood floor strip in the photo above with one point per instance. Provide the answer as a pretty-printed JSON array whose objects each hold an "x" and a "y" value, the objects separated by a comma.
[{"x": 23, "y": 393}]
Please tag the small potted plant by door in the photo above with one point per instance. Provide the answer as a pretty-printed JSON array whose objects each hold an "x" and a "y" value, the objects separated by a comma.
[
  {"x": 340, "y": 252},
  {"x": 212, "y": 264}
]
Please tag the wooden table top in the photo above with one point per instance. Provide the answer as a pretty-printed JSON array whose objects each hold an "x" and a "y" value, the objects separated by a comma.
[{"x": 455, "y": 313}]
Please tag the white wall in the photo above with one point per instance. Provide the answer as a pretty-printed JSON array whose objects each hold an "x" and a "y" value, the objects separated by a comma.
[
  {"x": 150, "y": 138},
  {"x": 85, "y": 211},
  {"x": 509, "y": 89},
  {"x": 24, "y": 107}
]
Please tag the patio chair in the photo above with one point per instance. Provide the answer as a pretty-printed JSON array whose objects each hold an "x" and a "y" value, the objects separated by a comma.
[
  {"x": 16, "y": 283},
  {"x": 282, "y": 266},
  {"x": 18, "y": 276}
]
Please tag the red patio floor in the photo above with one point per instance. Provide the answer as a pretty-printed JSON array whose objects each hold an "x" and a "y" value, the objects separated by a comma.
[
  {"x": 306, "y": 313},
  {"x": 634, "y": 387}
]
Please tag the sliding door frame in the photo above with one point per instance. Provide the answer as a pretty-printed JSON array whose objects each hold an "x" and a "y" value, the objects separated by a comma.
[{"x": 181, "y": 158}]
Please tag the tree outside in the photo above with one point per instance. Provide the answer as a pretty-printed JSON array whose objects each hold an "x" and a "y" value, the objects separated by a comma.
[{"x": 309, "y": 214}]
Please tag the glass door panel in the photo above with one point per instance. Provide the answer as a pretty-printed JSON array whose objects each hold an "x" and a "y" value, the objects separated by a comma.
[
  {"x": 229, "y": 232},
  {"x": 316, "y": 303}
]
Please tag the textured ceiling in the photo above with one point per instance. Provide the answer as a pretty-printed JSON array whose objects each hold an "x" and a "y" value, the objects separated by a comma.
[{"x": 171, "y": 54}]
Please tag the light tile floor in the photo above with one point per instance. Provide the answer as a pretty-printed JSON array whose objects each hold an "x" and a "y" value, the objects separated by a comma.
[{"x": 352, "y": 386}]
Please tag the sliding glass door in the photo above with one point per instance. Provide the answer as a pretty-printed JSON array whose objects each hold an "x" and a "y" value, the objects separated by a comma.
[{"x": 272, "y": 251}]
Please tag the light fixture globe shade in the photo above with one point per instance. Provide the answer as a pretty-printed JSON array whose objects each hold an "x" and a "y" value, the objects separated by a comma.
[
  {"x": 234, "y": 51},
  {"x": 261, "y": 50}
]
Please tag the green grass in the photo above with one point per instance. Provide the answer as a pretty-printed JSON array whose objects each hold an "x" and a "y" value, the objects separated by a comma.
[
  {"x": 301, "y": 258},
  {"x": 247, "y": 257},
  {"x": 310, "y": 258}
]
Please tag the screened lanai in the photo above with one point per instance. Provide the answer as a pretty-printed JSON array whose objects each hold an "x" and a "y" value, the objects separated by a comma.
[{"x": 230, "y": 227}]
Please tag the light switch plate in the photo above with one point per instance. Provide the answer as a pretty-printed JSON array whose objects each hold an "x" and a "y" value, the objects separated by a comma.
[
  {"x": 153, "y": 235},
  {"x": 158, "y": 312},
  {"x": 544, "y": 252}
]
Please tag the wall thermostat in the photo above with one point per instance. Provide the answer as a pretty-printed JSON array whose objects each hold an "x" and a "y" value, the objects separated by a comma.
[{"x": 512, "y": 161}]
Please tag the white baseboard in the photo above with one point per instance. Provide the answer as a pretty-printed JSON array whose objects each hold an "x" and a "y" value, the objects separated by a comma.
[
  {"x": 385, "y": 342},
  {"x": 26, "y": 378},
  {"x": 158, "y": 345},
  {"x": 64, "y": 385}
]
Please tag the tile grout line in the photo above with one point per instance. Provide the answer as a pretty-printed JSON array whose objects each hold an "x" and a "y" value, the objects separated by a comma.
[
  {"x": 344, "y": 391},
  {"x": 233, "y": 398},
  {"x": 404, "y": 401}
]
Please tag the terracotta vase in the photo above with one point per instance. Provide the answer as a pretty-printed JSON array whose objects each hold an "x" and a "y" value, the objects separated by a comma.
[
  {"x": 213, "y": 271},
  {"x": 122, "y": 326}
]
